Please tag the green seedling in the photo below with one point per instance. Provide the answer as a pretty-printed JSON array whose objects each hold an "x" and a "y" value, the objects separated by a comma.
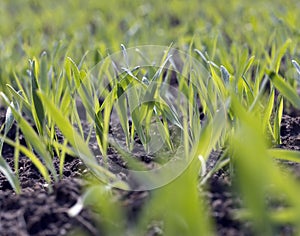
[{"x": 4, "y": 167}]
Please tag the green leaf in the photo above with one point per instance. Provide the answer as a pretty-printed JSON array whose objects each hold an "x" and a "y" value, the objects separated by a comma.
[
  {"x": 125, "y": 55},
  {"x": 277, "y": 120},
  {"x": 247, "y": 149},
  {"x": 268, "y": 112},
  {"x": 9, "y": 174},
  {"x": 122, "y": 110},
  {"x": 9, "y": 120},
  {"x": 21, "y": 101},
  {"x": 296, "y": 65},
  {"x": 218, "y": 83},
  {"x": 225, "y": 75},
  {"x": 211, "y": 133},
  {"x": 37, "y": 108},
  {"x": 44, "y": 82},
  {"x": 248, "y": 65},
  {"x": 168, "y": 112},
  {"x": 280, "y": 54},
  {"x": 201, "y": 55},
  {"x": 285, "y": 89},
  {"x": 283, "y": 154},
  {"x": 70, "y": 66}
]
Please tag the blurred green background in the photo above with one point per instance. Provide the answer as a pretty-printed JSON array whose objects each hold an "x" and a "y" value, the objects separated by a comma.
[
  {"x": 223, "y": 29},
  {"x": 30, "y": 26}
]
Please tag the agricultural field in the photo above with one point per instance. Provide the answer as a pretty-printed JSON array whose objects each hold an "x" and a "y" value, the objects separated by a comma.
[{"x": 149, "y": 117}]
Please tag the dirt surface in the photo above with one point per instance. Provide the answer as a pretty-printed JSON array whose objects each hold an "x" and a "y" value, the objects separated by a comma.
[{"x": 39, "y": 212}]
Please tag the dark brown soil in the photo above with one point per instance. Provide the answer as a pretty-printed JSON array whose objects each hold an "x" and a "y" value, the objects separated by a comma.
[{"x": 39, "y": 212}]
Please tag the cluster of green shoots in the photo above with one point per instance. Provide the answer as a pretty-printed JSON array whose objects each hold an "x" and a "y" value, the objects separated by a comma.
[{"x": 239, "y": 114}]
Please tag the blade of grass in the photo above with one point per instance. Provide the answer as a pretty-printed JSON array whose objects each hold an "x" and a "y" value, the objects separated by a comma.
[
  {"x": 43, "y": 80},
  {"x": 37, "y": 106},
  {"x": 21, "y": 100},
  {"x": 277, "y": 120},
  {"x": 285, "y": 89},
  {"x": 122, "y": 110},
  {"x": 283, "y": 154},
  {"x": 9, "y": 175},
  {"x": 246, "y": 144},
  {"x": 280, "y": 54},
  {"x": 296, "y": 65},
  {"x": 268, "y": 112}
]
